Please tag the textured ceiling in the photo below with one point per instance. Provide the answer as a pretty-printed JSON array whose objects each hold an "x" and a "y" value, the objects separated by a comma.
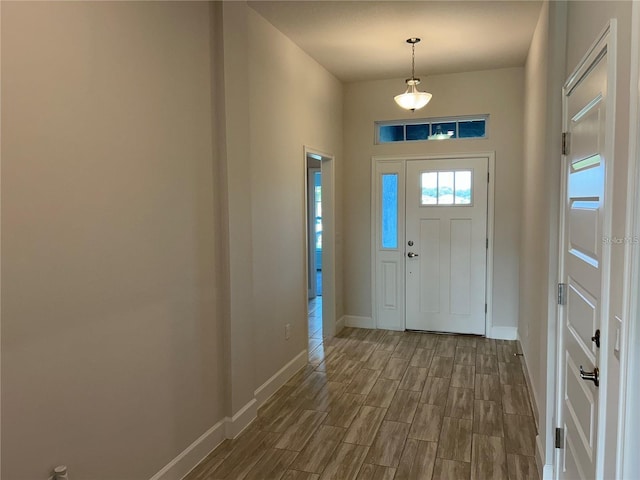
[{"x": 365, "y": 40}]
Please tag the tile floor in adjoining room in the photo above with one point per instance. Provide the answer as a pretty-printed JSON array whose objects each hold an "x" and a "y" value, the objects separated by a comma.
[{"x": 383, "y": 405}]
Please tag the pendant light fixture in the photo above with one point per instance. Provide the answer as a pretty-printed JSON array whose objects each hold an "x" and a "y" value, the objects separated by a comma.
[{"x": 412, "y": 99}]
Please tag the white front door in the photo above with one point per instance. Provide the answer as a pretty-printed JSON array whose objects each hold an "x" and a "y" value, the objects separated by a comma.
[
  {"x": 583, "y": 262},
  {"x": 446, "y": 245}
]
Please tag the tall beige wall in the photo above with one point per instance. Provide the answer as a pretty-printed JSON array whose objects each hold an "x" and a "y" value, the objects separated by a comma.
[
  {"x": 294, "y": 102},
  {"x": 544, "y": 76},
  {"x": 111, "y": 342},
  {"x": 496, "y": 92}
]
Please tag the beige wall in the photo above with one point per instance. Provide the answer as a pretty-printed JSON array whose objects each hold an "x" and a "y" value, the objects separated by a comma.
[
  {"x": 496, "y": 92},
  {"x": 294, "y": 102},
  {"x": 544, "y": 76},
  {"x": 111, "y": 342},
  {"x": 153, "y": 226}
]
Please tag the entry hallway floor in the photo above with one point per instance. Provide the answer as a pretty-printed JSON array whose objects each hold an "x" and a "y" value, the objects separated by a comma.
[{"x": 382, "y": 405}]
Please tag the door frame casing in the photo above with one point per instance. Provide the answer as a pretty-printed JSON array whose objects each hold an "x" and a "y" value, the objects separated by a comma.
[
  {"x": 327, "y": 168},
  {"x": 605, "y": 40},
  {"x": 628, "y": 461},
  {"x": 490, "y": 330}
]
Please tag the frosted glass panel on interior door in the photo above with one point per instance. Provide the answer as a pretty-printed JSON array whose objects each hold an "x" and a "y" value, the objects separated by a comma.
[
  {"x": 389, "y": 210},
  {"x": 463, "y": 187},
  {"x": 429, "y": 181}
]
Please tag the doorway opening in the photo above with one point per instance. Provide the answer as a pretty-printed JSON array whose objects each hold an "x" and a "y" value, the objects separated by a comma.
[
  {"x": 320, "y": 245},
  {"x": 314, "y": 247}
]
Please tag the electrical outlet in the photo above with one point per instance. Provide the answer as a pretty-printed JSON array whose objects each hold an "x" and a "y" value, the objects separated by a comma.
[{"x": 287, "y": 331}]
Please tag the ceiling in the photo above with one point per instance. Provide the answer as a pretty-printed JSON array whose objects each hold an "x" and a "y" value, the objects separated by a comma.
[{"x": 366, "y": 40}]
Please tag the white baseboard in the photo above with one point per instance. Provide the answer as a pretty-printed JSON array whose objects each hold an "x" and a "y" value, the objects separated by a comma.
[
  {"x": 547, "y": 472},
  {"x": 180, "y": 466},
  {"x": 241, "y": 420},
  {"x": 283, "y": 375},
  {"x": 503, "y": 333},
  {"x": 358, "y": 322},
  {"x": 533, "y": 398},
  {"x": 229, "y": 427},
  {"x": 340, "y": 325}
]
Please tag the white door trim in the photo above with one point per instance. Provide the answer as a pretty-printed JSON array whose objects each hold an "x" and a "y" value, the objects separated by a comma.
[
  {"x": 628, "y": 460},
  {"x": 491, "y": 331},
  {"x": 327, "y": 166},
  {"x": 606, "y": 40}
]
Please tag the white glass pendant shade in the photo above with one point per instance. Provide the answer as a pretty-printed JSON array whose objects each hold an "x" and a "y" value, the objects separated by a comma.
[{"x": 412, "y": 99}]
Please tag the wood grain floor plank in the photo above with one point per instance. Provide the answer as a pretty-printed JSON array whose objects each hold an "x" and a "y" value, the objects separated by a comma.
[
  {"x": 317, "y": 453},
  {"x": 298, "y": 434},
  {"x": 459, "y": 403},
  {"x": 488, "y": 460},
  {"x": 363, "y": 381},
  {"x": 296, "y": 475},
  {"x": 467, "y": 341},
  {"x": 364, "y": 427},
  {"x": 388, "y": 445},
  {"x": 428, "y": 341},
  {"x": 395, "y": 368},
  {"x": 377, "y": 360},
  {"x": 435, "y": 391},
  {"x": 465, "y": 355},
  {"x": 403, "y": 406},
  {"x": 515, "y": 399},
  {"x": 346, "y": 462},
  {"x": 487, "y": 418},
  {"x": 486, "y": 364},
  {"x": 417, "y": 461},
  {"x": 344, "y": 410},
  {"x": 486, "y": 346},
  {"x": 521, "y": 467},
  {"x": 463, "y": 376},
  {"x": 446, "y": 348},
  {"x": 382, "y": 393},
  {"x": 246, "y": 451},
  {"x": 487, "y": 387},
  {"x": 455, "y": 439},
  {"x": 422, "y": 357},
  {"x": 369, "y": 471},
  {"x": 414, "y": 378},
  {"x": 404, "y": 349},
  {"x": 507, "y": 353},
  {"x": 451, "y": 470},
  {"x": 520, "y": 434},
  {"x": 511, "y": 374},
  {"x": 441, "y": 366},
  {"x": 272, "y": 465},
  {"x": 427, "y": 422}
]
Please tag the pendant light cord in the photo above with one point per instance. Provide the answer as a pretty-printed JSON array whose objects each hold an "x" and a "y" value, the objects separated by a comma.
[{"x": 413, "y": 61}]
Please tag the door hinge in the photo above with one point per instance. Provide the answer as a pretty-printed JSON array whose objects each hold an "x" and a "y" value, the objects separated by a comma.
[
  {"x": 562, "y": 294},
  {"x": 488, "y": 174},
  {"x": 566, "y": 137},
  {"x": 487, "y": 246},
  {"x": 559, "y": 443},
  {"x": 485, "y": 308}
]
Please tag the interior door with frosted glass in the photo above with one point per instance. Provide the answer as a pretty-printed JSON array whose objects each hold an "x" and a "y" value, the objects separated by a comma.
[
  {"x": 584, "y": 263},
  {"x": 446, "y": 245}
]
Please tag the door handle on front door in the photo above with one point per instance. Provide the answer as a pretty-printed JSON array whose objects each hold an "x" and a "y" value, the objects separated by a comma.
[
  {"x": 412, "y": 255},
  {"x": 593, "y": 376}
]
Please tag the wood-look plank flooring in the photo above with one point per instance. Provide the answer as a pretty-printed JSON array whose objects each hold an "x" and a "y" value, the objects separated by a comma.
[{"x": 385, "y": 405}]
